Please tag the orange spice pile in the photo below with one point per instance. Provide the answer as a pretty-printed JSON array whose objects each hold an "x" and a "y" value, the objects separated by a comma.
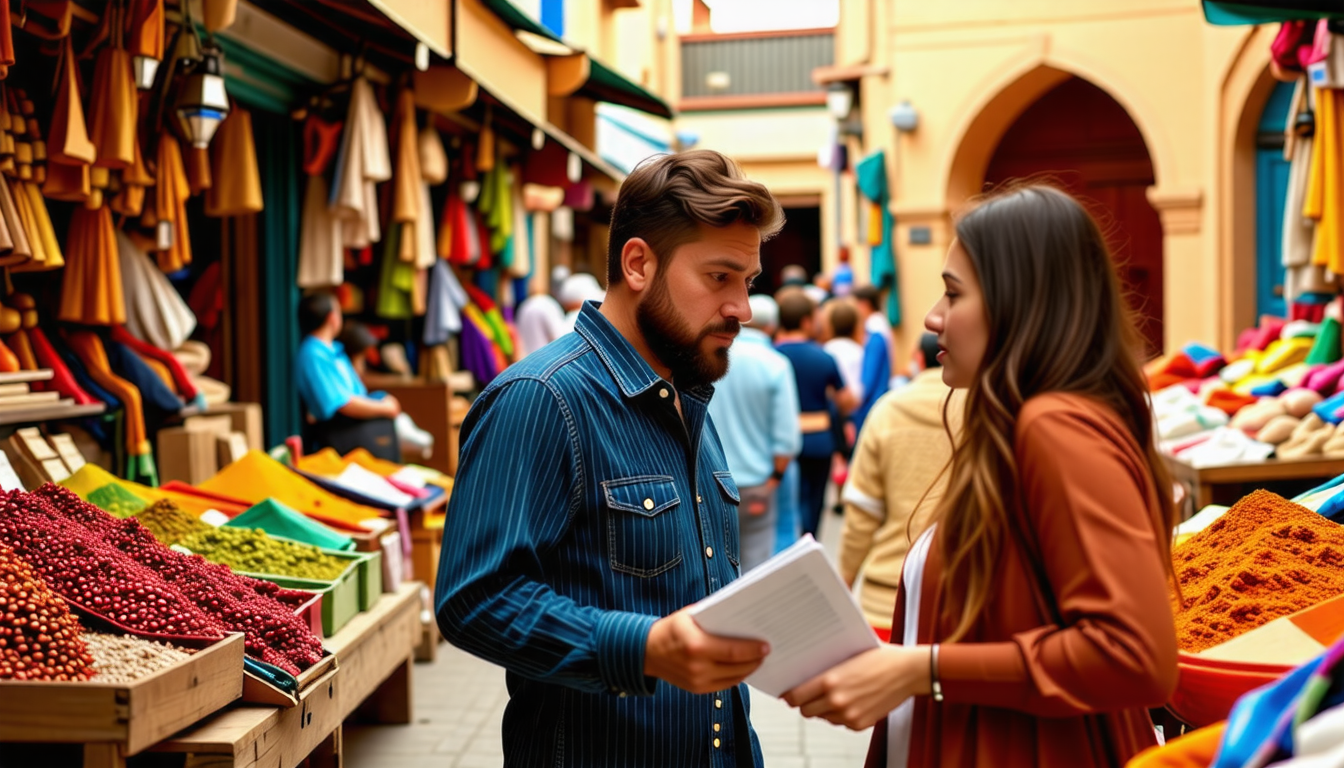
[{"x": 1264, "y": 558}]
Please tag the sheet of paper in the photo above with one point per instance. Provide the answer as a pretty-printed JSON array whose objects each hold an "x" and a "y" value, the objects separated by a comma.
[{"x": 797, "y": 603}]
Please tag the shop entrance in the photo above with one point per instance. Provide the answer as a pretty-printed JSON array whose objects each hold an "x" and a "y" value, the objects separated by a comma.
[
  {"x": 1082, "y": 138},
  {"x": 799, "y": 242}
]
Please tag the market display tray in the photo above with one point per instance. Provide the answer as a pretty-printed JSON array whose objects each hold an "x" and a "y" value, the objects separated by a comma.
[
  {"x": 258, "y": 690},
  {"x": 137, "y": 715}
]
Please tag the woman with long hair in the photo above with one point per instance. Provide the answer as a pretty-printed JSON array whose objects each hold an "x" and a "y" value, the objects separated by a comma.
[{"x": 1033, "y": 622}]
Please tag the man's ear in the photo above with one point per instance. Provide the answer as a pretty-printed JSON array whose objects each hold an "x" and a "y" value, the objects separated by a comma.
[{"x": 638, "y": 264}]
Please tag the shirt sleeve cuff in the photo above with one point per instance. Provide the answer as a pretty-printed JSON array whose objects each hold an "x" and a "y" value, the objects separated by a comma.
[
  {"x": 985, "y": 674},
  {"x": 621, "y": 641}
]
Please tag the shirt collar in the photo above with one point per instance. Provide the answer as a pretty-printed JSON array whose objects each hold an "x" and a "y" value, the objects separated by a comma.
[
  {"x": 754, "y": 336},
  {"x": 631, "y": 371}
]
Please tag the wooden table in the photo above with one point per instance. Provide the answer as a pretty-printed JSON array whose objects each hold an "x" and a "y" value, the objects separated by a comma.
[
  {"x": 1225, "y": 484},
  {"x": 374, "y": 653}
]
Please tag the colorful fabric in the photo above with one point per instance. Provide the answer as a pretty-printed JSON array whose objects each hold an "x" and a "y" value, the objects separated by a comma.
[
  {"x": 871, "y": 176},
  {"x": 257, "y": 477}
]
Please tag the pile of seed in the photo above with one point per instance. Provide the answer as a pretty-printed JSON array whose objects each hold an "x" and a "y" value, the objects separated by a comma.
[
  {"x": 118, "y": 570},
  {"x": 39, "y": 637},
  {"x": 252, "y": 551},
  {"x": 126, "y": 658},
  {"x": 169, "y": 523}
]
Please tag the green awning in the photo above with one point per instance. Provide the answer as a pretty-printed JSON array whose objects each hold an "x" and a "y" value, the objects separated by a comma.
[
  {"x": 604, "y": 83},
  {"x": 1230, "y": 14}
]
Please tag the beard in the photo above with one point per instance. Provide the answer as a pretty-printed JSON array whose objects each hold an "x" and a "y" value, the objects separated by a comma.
[{"x": 675, "y": 344}]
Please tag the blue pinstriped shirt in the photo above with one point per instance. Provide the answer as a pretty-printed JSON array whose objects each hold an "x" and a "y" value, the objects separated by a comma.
[{"x": 584, "y": 509}]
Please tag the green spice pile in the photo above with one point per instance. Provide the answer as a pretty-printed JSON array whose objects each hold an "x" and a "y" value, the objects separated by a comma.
[
  {"x": 39, "y": 637},
  {"x": 252, "y": 551},
  {"x": 125, "y": 658},
  {"x": 169, "y": 523}
]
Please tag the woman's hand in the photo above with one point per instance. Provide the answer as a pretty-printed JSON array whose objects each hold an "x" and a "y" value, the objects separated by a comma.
[{"x": 861, "y": 691}]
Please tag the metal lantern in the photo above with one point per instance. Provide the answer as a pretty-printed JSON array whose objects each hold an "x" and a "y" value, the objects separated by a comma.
[{"x": 203, "y": 102}]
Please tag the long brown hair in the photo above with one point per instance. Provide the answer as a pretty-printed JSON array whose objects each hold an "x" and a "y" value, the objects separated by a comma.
[{"x": 1057, "y": 322}]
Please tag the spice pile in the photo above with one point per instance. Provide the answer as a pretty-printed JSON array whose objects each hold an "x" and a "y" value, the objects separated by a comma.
[
  {"x": 1264, "y": 558},
  {"x": 39, "y": 638},
  {"x": 253, "y": 551},
  {"x": 117, "y": 569},
  {"x": 168, "y": 522},
  {"x": 126, "y": 658}
]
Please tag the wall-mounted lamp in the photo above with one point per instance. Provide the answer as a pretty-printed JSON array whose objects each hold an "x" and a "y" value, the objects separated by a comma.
[
  {"x": 203, "y": 103},
  {"x": 839, "y": 100},
  {"x": 903, "y": 117}
]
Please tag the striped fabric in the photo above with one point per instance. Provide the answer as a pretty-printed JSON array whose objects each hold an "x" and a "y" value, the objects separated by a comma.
[{"x": 584, "y": 508}]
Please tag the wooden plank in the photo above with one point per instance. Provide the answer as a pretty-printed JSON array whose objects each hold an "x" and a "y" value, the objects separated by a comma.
[
  {"x": 50, "y": 413},
  {"x": 42, "y": 374},
  {"x": 391, "y": 702},
  {"x": 375, "y": 643},
  {"x": 166, "y": 703},
  {"x": 103, "y": 756},
  {"x": 29, "y": 399}
]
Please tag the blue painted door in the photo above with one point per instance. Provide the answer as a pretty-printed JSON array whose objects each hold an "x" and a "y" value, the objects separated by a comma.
[{"x": 1271, "y": 192}]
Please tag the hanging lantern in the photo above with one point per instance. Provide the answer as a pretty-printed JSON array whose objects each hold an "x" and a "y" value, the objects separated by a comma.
[
  {"x": 146, "y": 69},
  {"x": 203, "y": 102}
]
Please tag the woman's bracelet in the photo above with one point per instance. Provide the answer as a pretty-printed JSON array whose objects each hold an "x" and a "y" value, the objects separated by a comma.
[{"x": 935, "y": 686}]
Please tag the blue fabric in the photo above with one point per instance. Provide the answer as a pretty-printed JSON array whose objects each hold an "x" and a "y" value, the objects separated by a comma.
[
  {"x": 325, "y": 377},
  {"x": 814, "y": 371},
  {"x": 1329, "y": 408},
  {"x": 871, "y": 177},
  {"x": 876, "y": 376},
  {"x": 584, "y": 509},
  {"x": 755, "y": 408},
  {"x": 1259, "y": 726},
  {"x": 155, "y": 395},
  {"x": 1270, "y": 389},
  {"x": 787, "y": 522}
]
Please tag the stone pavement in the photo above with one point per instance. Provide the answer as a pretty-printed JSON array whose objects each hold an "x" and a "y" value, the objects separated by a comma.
[{"x": 459, "y": 703}]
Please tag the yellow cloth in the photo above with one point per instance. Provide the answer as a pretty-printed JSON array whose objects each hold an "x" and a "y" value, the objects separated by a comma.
[
  {"x": 114, "y": 105},
  {"x": 236, "y": 182},
  {"x": 170, "y": 204},
  {"x": 257, "y": 477},
  {"x": 91, "y": 292},
  {"x": 68, "y": 140},
  {"x": 1196, "y": 749},
  {"x": 1325, "y": 184}
]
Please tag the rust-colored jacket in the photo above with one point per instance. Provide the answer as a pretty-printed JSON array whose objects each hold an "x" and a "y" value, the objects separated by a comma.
[{"x": 1019, "y": 690}]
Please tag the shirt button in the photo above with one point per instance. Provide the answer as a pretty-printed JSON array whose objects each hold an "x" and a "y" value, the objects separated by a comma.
[
  {"x": 698, "y": 500},
  {"x": 717, "y": 727},
  {"x": 622, "y": 694},
  {"x": 709, "y": 551},
  {"x": 648, "y": 503},
  {"x": 716, "y": 743},
  {"x": 718, "y": 703},
  {"x": 662, "y": 392}
]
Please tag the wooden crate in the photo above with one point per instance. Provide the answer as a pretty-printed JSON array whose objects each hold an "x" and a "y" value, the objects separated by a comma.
[{"x": 133, "y": 716}]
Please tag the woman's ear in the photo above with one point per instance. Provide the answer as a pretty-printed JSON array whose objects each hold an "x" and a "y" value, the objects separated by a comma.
[{"x": 638, "y": 264}]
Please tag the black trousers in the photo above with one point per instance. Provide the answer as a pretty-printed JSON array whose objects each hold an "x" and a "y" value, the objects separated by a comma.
[
  {"x": 344, "y": 434},
  {"x": 813, "y": 474}
]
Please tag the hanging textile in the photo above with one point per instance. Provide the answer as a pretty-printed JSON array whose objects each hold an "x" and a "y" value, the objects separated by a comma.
[
  {"x": 62, "y": 379},
  {"x": 113, "y": 105},
  {"x": 6, "y": 41},
  {"x": 447, "y": 299},
  {"x": 455, "y": 231},
  {"x": 406, "y": 181},
  {"x": 433, "y": 170},
  {"x": 197, "y": 161},
  {"x": 19, "y": 248},
  {"x": 1325, "y": 188},
  {"x": 91, "y": 292},
  {"x": 396, "y": 281},
  {"x": 363, "y": 163},
  {"x": 321, "y": 254},
  {"x": 479, "y": 355},
  {"x": 177, "y": 375},
  {"x": 68, "y": 140},
  {"x": 521, "y": 264},
  {"x": 130, "y": 200},
  {"x": 146, "y": 29},
  {"x": 1301, "y": 276},
  {"x": 155, "y": 311},
  {"x": 89, "y": 349},
  {"x": 235, "y": 188},
  {"x": 171, "y": 191},
  {"x": 496, "y": 206},
  {"x": 498, "y": 329},
  {"x": 871, "y": 175}
]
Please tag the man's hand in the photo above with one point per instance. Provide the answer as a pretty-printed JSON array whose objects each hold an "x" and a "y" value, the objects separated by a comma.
[
  {"x": 686, "y": 656},
  {"x": 393, "y": 406}
]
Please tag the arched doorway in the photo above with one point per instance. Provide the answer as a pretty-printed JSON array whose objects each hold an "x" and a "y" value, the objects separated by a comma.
[{"x": 1080, "y": 136}]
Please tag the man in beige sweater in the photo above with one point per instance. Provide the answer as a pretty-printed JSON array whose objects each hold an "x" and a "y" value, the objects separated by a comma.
[{"x": 902, "y": 453}]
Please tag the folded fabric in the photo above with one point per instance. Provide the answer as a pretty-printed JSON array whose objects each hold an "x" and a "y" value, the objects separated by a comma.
[
  {"x": 1330, "y": 408},
  {"x": 1282, "y": 353},
  {"x": 1228, "y": 402},
  {"x": 1278, "y": 429},
  {"x": 1175, "y": 364},
  {"x": 1299, "y": 328},
  {"x": 1326, "y": 348},
  {"x": 1189, "y": 422},
  {"x": 1206, "y": 360},
  {"x": 1270, "y": 329},
  {"x": 1254, "y": 416},
  {"x": 1238, "y": 370},
  {"x": 1272, "y": 388},
  {"x": 1295, "y": 374},
  {"x": 279, "y": 520},
  {"x": 1324, "y": 381},
  {"x": 1226, "y": 446}
]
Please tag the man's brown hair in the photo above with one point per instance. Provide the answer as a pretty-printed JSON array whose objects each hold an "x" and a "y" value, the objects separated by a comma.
[{"x": 667, "y": 198}]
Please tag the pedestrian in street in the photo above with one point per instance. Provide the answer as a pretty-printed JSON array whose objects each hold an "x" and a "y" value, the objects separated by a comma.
[
  {"x": 898, "y": 471},
  {"x": 1033, "y": 617},
  {"x": 594, "y": 503},
  {"x": 755, "y": 410},
  {"x": 876, "y": 353},
  {"x": 822, "y": 398}
]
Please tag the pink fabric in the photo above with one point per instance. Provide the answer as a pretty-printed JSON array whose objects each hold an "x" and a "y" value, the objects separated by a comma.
[
  {"x": 1268, "y": 332},
  {"x": 1325, "y": 380}
]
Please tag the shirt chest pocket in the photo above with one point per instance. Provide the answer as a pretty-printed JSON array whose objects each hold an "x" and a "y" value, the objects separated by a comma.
[
  {"x": 643, "y": 532},
  {"x": 723, "y": 482}
]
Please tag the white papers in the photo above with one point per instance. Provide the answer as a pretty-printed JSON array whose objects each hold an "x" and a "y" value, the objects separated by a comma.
[
  {"x": 796, "y": 602},
  {"x": 361, "y": 480}
]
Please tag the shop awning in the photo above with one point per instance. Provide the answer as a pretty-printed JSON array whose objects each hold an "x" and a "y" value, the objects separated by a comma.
[
  {"x": 428, "y": 22},
  {"x": 1269, "y": 11},
  {"x": 603, "y": 84}
]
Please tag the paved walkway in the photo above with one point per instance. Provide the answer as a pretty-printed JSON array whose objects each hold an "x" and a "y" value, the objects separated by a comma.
[{"x": 459, "y": 703}]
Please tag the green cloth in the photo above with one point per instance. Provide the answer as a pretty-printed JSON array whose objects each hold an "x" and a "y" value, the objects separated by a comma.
[
  {"x": 496, "y": 204},
  {"x": 396, "y": 281},
  {"x": 871, "y": 175},
  {"x": 277, "y": 519},
  {"x": 1327, "y": 346}
]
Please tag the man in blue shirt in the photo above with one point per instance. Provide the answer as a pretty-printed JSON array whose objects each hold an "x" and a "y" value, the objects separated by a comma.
[
  {"x": 755, "y": 409},
  {"x": 328, "y": 386},
  {"x": 593, "y": 503}
]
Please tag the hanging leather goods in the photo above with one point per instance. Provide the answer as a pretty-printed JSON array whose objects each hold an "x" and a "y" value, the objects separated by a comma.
[
  {"x": 219, "y": 14},
  {"x": 114, "y": 104},
  {"x": 69, "y": 151},
  {"x": 236, "y": 187},
  {"x": 172, "y": 239},
  {"x": 130, "y": 199},
  {"x": 146, "y": 41}
]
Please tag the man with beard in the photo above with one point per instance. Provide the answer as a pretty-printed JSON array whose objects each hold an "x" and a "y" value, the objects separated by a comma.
[{"x": 593, "y": 502}]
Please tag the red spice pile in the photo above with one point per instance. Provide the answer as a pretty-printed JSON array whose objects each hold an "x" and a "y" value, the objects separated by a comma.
[
  {"x": 39, "y": 637},
  {"x": 1264, "y": 558}
]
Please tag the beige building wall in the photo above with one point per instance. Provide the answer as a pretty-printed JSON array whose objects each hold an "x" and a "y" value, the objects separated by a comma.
[{"x": 971, "y": 67}]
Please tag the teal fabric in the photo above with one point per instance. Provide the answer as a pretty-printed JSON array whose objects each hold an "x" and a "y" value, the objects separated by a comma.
[
  {"x": 871, "y": 173},
  {"x": 279, "y": 520},
  {"x": 1225, "y": 14}
]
